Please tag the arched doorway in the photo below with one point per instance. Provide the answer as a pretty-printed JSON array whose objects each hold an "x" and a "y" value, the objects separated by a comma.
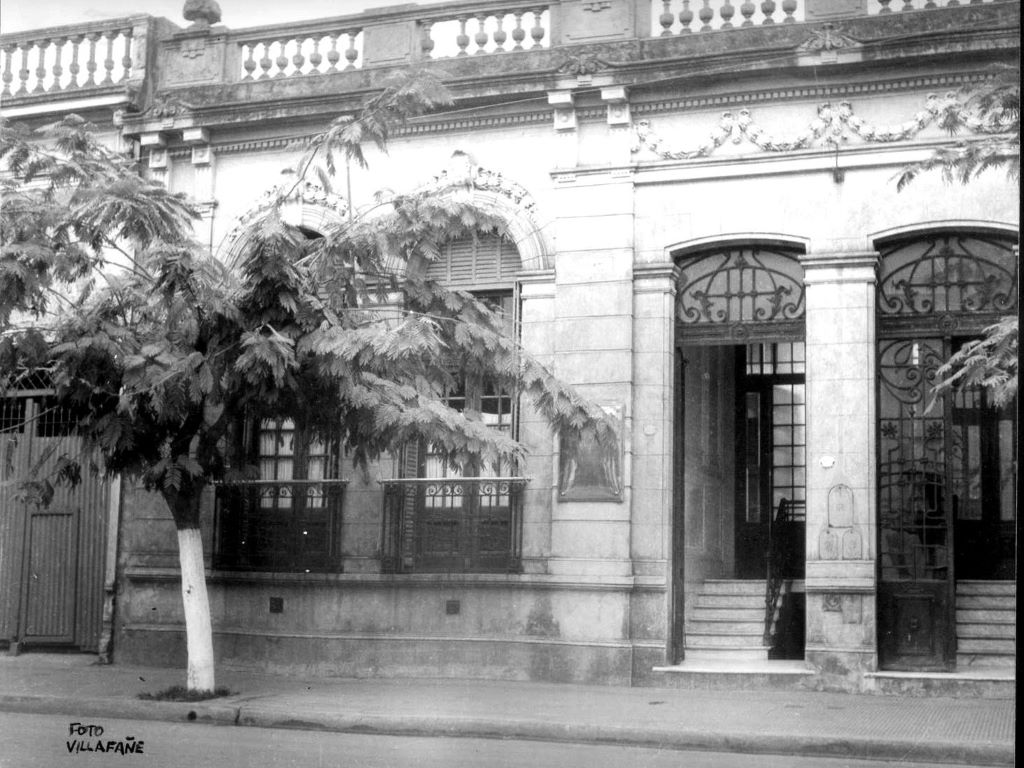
[
  {"x": 739, "y": 511},
  {"x": 946, "y": 463}
]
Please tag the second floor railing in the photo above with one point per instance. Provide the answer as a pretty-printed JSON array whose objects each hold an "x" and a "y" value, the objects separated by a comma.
[
  {"x": 288, "y": 526},
  {"x": 453, "y": 525},
  {"x": 79, "y": 57},
  {"x": 94, "y": 55}
]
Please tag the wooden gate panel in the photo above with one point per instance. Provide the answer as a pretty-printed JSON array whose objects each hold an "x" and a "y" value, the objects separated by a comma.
[{"x": 49, "y": 581}]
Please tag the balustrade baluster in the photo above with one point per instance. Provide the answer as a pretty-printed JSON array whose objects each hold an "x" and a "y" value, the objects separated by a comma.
[
  {"x": 462, "y": 39},
  {"x": 126, "y": 60},
  {"x": 90, "y": 65},
  {"x": 537, "y": 32},
  {"x": 8, "y": 77},
  {"x": 108, "y": 62},
  {"x": 686, "y": 18},
  {"x": 351, "y": 54},
  {"x": 41, "y": 46},
  {"x": 788, "y": 8},
  {"x": 299, "y": 59},
  {"x": 727, "y": 11},
  {"x": 23, "y": 72},
  {"x": 747, "y": 10},
  {"x": 518, "y": 34},
  {"x": 74, "y": 68},
  {"x": 248, "y": 62},
  {"x": 333, "y": 55},
  {"x": 885, "y": 6},
  {"x": 500, "y": 36},
  {"x": 930, "y": 4},
  {"x": 481, "y": 36},
  {"x": 705, "y": 14},
  {"x": 768, "y": 8},
  {"x": 908, "y": 5},
  {"x": 315, "y": 58},
  {"x": 58, "y": 67},
  {"x": 951, "y": 3},
  {"x": 426, "y": 40},
  {"x": 666, "y": 18},
  {"x": 282, "y": 57},
  {"x": 265, "y": 61}
]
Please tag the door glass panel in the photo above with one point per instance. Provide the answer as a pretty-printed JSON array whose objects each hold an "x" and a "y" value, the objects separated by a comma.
[
  {"x": 1007, "y": 471},
  {"x": 753, "y": 457}
]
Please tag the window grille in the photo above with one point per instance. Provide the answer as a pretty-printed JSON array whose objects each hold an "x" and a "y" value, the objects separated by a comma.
[{"x": 289, "y": 519}]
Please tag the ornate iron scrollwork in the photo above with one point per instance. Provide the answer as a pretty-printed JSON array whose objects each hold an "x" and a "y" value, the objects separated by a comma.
[
  {"x": 948, "y": 274},
  {"x": 737, "y": 286}
]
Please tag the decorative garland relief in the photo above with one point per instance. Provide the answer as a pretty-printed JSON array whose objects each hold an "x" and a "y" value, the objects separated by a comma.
[{"x": 832, "y": 126}]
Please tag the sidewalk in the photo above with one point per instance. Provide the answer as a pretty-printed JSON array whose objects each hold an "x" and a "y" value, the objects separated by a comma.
[{"x": 940, "y": 730}]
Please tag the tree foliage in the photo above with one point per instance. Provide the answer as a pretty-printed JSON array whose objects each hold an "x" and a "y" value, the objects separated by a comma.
[
  {"x": 159, "y": 350},
  {"x": 992, "y": 111},
  {"x": 989, "y": 362}
]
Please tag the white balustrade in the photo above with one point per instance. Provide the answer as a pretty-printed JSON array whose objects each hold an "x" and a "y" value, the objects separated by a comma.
[
  {"x": 683, "y": 17},
  {"x": 64, "y": 60},
  {"x": 485, "y": 31},
  {"x": 293, "y": 54}
]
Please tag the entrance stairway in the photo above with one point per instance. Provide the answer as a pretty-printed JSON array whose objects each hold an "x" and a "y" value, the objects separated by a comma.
[
  {"x": 727, "y": 622},
  {"x": 986, "y": 624}
]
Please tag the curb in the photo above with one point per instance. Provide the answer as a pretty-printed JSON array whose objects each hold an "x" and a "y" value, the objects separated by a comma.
[{"x": 855, "y": 747}]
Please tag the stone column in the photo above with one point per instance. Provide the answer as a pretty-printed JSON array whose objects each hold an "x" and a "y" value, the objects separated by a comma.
[
  {"x": 593, "y": 330},
  {"x": 652, "y": 470},
  {"x": 203, "y": 166},
  {"x": 536, "y": 316},
  {"x": 841, "y": 463}
]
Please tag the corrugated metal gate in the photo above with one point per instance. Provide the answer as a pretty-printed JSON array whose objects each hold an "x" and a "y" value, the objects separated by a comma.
[{"x": 52, "y": 556}]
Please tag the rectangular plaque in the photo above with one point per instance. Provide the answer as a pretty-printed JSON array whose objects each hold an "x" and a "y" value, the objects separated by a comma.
[{"x": 588, "y": 471}]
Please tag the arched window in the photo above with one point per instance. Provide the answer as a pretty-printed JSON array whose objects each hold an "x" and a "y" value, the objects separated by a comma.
[
  {"x": 436, "y": 517},
  {"x": 946, "y": 464}
]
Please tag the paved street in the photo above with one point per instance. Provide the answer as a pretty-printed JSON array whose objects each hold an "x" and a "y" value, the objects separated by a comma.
[{"x": 40, "y": 741}]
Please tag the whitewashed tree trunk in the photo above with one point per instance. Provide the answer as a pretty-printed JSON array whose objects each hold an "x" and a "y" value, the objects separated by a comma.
[{"x": 198, "y": 629}]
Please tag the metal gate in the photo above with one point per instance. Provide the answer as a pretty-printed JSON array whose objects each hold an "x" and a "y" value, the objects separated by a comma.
[
  {"x": 934, "y": 291},
  {"x": 51, "y": 555}
]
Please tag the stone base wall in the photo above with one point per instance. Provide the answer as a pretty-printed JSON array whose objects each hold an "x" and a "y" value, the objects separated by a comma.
[{"x": 379, "y": 627}]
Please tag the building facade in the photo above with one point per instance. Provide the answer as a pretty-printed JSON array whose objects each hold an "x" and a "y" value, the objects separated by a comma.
[{"x": 704, "y": 234}]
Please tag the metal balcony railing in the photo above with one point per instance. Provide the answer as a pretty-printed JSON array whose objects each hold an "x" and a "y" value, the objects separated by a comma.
[
  {"x": 453, "y": 525},
  {"x": 292, "y": 526}
]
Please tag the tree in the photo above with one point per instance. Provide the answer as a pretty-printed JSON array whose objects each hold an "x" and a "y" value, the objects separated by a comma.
[
  {"x": 992, "y": 109},
  {"x": 161, "y": 350}
]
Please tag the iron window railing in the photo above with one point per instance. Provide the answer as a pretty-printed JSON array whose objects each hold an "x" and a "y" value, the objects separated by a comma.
[
  {"x": 453, "y": 525},
  {"x": 273, "y": 525}
]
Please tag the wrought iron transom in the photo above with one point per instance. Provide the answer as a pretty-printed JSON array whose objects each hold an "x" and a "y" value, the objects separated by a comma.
[
  {"x": 948, "y": 273},
  {"x": 740, "y": 286}
]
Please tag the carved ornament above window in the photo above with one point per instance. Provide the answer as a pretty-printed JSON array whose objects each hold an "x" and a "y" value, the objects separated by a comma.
[
  {"x": 948, "y": 274},
  {"x": 749, "y": 285}
]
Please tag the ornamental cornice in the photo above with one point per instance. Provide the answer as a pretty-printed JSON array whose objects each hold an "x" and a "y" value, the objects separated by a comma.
[
  {"x": 833, "y": 125},
  {"x": 304, "y": 192}
]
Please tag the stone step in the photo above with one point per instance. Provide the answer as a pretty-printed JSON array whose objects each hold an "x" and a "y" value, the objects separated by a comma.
[
  {"x": 990, "y": 616},
  {"x": 964, "y": 631},
  {"x": 732, "y": 587},
  {"x": 701, "y": 626},
  {"x": 706, "y": 613},
  {"x": 717, "y": 640},
  {"x": 706, "y": 653},
  {"x": 999, "y": 645},
  {"x": 1008, "y": 588},
  {"x": 986, "y": 602},
  {"x": 968, "y": 661},
  {"x": 731, "y": 601}
]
